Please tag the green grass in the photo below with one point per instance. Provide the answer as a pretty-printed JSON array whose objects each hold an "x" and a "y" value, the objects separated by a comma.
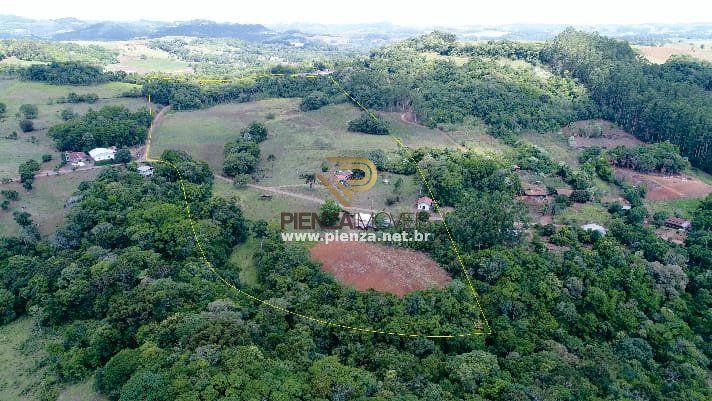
[
  {"x": 32, "y": 145},
  {"x": 241, "y": 259},
  {"x": 45, "y": 202},
  {"x": 579, "y": 214},
  {"x": 22, "y": 351},
  {"x": 82, "y": 391},
  {"x": 19, "y": 357},
  {"x": 255, "y": 208},
  {"x": 298, "y": 140},
  {"x": 677, "y": 207}
]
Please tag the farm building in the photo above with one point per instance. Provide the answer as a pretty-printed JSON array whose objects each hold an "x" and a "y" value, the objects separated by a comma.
[
  {"x": 678, "y": 223},
  {"x": 424, "y": 203},
  {"x": 594, "y": 227},
  {"x": 102, "y": 154},
  {"x": 145, "y": 170},
  {"x": 534, "y": 195},
  {"x": 76, "y": 158}
]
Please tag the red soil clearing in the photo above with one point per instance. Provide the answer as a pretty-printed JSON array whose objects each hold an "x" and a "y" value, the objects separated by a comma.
[
  {"x": 666, "y": 187},
  {"x": 365, "y": 265}
]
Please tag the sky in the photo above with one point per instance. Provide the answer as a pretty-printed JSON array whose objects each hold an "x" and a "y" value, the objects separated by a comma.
[{"x": 410, "y": 13}]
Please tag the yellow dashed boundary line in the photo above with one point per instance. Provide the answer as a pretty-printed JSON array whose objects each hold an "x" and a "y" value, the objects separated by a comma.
[{"x": 324, "y": 322}]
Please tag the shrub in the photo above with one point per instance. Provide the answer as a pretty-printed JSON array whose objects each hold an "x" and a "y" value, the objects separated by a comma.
[
  {"x": 29, "y": 111},
  {"x": 580, "y": 196},
  {"x": 46, "y": 158},
  {"x": 368, "y": 125},
  {"x": 313, "y": 101},
  {"x": 26, "y": 125},
  {"x": 255, "y": 132}
]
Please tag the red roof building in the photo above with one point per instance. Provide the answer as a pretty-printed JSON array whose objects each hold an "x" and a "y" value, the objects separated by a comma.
[{"x": 75, "y": 157}]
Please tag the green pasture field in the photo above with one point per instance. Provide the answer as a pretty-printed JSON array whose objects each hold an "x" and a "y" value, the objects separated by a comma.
[
  {"x": 45, "y": 202},
  {"x": 34, "y": 144}
]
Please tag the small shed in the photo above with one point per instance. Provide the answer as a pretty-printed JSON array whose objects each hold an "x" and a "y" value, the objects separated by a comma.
[
  {"x": 76, "y": 158},
  {"x": 678, "y": 223},
  {"x": 594, "y": 227},
  {"x": 145, "y": 170},
  {"x": 424, "y": 204}
]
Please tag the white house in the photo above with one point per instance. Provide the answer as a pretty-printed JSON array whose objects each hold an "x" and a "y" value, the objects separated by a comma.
[
  {"x": 102, "y": 154},
  {"x": 594, "y": 227},
  {"x": 424, "y": 203},
  {"x": 145, "y": 170}
]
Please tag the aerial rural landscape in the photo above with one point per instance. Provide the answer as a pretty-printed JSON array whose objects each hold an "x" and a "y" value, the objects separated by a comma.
[{"x": 233, "y": 208}]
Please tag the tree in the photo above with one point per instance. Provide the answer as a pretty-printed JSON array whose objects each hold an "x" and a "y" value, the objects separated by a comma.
[
  {"x": 482, "y": 220},
  {"x": 28, "y": 169},
  {"x": 256, "y": 132},
  {"x": 369, "y": 125},
  {"x": 3, "y": 109},
  {"x": 27, "y": 125},
  {"x": 580, "y": 196},
  {"x": 329, "y": 213},
  {"x": 239, "y": 163},
  {"x": 309, "y": 178},
  {"x": 29, "y": 111},
  {"x": 123, "y": 156},
  {"x": 313, "y": 101},
  {"x": 46, "y": 158},
  {"x": 24, "y": 219}
]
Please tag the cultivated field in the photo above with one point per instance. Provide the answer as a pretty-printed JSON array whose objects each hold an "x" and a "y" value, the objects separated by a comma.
[
  {"x": 136, "y": 56},
  {"x": 701, "y": 49},
  {"x": 666, "y": 187},
  {"x": 45, "y": 202},
  {"x": 34, "y": 144},
  {"x": 368, "y": 266},
  {"x": 610, "y": 135}
]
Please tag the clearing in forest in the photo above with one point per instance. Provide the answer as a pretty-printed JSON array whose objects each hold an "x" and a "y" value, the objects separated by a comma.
[{"x": 369, "y": 266}]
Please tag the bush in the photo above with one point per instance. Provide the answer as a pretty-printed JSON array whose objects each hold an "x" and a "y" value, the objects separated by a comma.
[
  {"x": 27, "y": 125},
  {"x": 368, "y": 125},
  {"x": 68, "y": 114},
  {"x": 123, "y": 156},
  {"x": 10, "y": 194},
  {"x": 28, "y": 169},
  {"x": 29, "y": 111},
  {"x": 46, "y": 158},
  {"x": 3, "y": 109},
  {"x": 329, "y": 213},
  {"x": 241, "y": 181},
  {"x": 255, "y": 132},
  {"x": 313, "y": 101},
  {"x": 86, "y": 98},
  {"x": 580, "y": 196}
]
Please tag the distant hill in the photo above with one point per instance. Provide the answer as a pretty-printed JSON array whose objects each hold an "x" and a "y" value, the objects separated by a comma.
[{"x": 74, "y": 29}]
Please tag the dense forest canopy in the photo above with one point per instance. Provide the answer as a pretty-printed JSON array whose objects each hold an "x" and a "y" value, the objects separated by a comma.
[
  {"x": 654, "y": 102},
  {"x": 615, "y": 317},
  {"x": 69, "y": 73},
  {"x": 108, "y": 126}
]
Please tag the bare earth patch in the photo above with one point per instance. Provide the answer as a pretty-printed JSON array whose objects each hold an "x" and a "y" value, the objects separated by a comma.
[
  {"x": 365, "y": 266},
  {"x": 666, "y": 187},
  {"x": 611, "y": 135}
]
